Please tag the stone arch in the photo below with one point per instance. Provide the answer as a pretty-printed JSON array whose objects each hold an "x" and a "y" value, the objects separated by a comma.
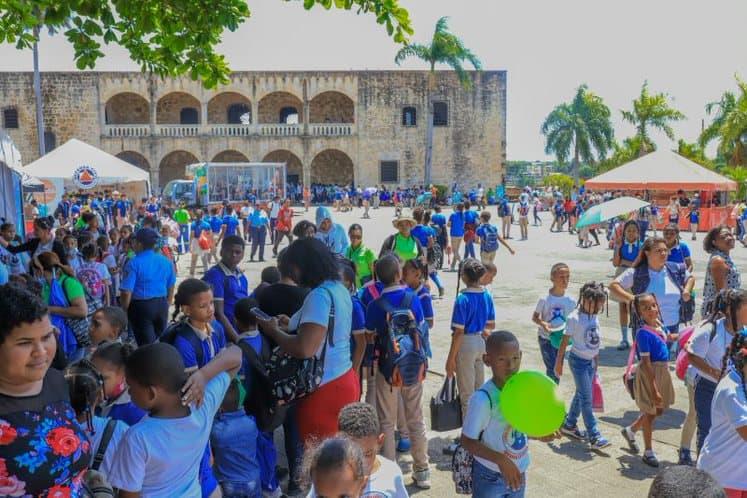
[
  {"x": 270, "y": 106},
  {"x": 331, "y": 107},
  {"x": 293, "y": 165},
  {"x": 170, "y": 106},
  {"x": 173, "y": 166},
  {"x": 332, "y": 166},
  {"x": 224, "y": 106},
  {"x": 230, "y": 156},
  {"x": 127, "y": 108},
  {"x": 134, "y": 158}
]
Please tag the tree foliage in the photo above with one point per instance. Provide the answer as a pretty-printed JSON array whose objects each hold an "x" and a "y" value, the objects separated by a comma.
[
  {"x": 563, "y": 182},
  {"x": 581, "y": 127},
  {"x": 729, "y": 125},
  {"x": 166, "y": 37},
  {"x": 444, "y": 48},
  {"x": 695, "y": 153},
  {"x": 651, "y": 111}
]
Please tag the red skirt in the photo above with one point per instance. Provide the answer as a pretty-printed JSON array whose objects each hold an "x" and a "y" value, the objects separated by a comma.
[{"x": 317, "y": 413}]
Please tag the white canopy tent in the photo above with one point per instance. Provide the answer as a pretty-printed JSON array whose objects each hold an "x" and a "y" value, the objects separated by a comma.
[{"x": 76, "y": 165}]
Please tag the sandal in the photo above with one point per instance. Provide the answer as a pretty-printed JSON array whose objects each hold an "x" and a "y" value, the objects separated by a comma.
[{"x": 629, "y": 437}]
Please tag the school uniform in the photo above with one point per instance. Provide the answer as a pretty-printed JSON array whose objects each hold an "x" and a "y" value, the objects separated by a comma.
[
  {"x": 653, "y": 343},
  {"x": 228, "y": 286},
  {"x": 456, "y": 232},
  {"x": 148, "y": 277}
]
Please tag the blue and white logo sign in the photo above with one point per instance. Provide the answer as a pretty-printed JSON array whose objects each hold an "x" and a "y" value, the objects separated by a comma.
[{"x": 85, "y": 177}]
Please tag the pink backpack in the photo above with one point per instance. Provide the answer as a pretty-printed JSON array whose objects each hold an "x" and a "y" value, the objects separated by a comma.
[{"x": 683, "y": 361}]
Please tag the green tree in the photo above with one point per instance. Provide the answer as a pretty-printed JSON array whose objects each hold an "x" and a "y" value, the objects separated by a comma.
[
  {"x": 444, "y": 48},
  {"x": 582, "y": 127},
  {"x": 168, "y": 38},
  {"x": 739, "y": 175},
  {"x": 651, "y": 111},
  {"x": 729, "y": 125},
  {"x": 563, "y": 182},
  {"x": 694, "y": 152}
]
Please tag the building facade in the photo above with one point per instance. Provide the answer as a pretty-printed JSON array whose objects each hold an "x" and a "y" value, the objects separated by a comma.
[{"x": 362, "y": 127}]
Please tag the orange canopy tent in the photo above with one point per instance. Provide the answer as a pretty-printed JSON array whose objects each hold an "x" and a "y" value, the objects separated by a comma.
[{"x": 661, "y": 170}]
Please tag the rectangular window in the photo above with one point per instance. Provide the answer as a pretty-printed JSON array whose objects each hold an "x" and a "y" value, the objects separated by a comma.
[
  {"x": 10, "y": 118},
  {"x": 409, "y": 116},
  {"x": 389, "y": 171},
  {"x": 440, "y": 114}
]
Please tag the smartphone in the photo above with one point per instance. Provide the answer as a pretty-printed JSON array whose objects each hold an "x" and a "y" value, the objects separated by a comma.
[{"x": 260, "y": 314}]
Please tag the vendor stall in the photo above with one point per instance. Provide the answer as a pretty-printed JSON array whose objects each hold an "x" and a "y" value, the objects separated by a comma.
[
  {"x": 661, "y": 175},
  {"x": 77, "y": 166}
]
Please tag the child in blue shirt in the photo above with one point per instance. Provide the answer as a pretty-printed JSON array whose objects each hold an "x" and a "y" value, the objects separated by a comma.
[
  {"x": 472, "y": 320},
  {"x": 456, "y": 232},
  {"x": 470, "y": 225},
  {"x": 110, "y": 359},
  {"x": 489, "y": 239},
  {"x": 159, "y": 457},
  {"x": 233, "y": 439}
]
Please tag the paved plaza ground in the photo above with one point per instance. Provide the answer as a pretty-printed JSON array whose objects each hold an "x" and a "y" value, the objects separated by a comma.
[{"x": 565, "y": 467}]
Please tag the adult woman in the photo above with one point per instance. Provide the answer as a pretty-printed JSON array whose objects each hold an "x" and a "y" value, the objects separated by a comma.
[
  {"x": 624, "y": 257},
  {"x": 671, "y": 283},
  {"x": 313, "y": 266},
  {"x": 45, "y": 451},
  {"x": 42, "y": 241},
  {"x": 260, "y": 226},
  {"x": 403, "y": 243},
  {"x": 679, "y": 252},
  {"x": 721, "y": 272},
  {"x": 360, "y": 255}
]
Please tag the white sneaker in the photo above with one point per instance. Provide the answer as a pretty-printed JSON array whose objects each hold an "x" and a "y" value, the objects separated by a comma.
[{"x": 422, "y": 478}]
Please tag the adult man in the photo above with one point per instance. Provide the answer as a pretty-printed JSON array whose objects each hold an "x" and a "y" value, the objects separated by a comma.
[
  {"x": 228, "y": 282},
  {"x": 62, "y": 213},
  {"x": 147, "y": 288}
]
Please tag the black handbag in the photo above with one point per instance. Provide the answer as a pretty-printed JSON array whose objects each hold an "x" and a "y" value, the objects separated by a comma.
[{"x": 446, "y": 408}]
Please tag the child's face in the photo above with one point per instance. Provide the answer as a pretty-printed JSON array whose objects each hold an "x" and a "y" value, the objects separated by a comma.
[
  {"x": 102, "y": 329},
  {"x": 71, "y": 244},
  {"x": 592, "y": 306},
  {"x": 648, "y": 309},
  {"x": 114, "y": 236},
  {"x": 631, "y": 233},
  {"x": 9, "y": 233},
  {"x": 200, "y": 308},
  {"x": 503, "y": 361},
  {"x": 370, "y": 446},
  {"x": 339, "y": 484},
  {"x": 560, "y": 278},
  {"x": 411, "y": 278},
  {"x": 114, "y": 377},
  {"x": 142, "y": 396},
  {"x": 356, "y": 237}
]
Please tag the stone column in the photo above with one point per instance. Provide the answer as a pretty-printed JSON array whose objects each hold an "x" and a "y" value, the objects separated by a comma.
[{"x": 204, "y": 117}]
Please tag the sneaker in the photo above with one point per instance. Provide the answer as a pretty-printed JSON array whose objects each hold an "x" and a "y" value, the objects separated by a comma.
[
  {"x": 573, "y": 432},
  {"x": 599, "y": 442},
  {"x": 422, "y": 478},
  {"x": 403, "y": 445},
  {"x": 685, "y": 458},
  {"x": 624, "y": 345},
  {"x": 629, "y": 436},
  {"x": 649, "y": 458}
]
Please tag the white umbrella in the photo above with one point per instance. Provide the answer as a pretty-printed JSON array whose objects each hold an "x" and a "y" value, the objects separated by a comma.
[{"x": 610, "y": 209}]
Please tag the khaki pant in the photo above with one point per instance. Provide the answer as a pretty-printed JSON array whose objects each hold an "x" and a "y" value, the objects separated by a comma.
[
  {"x": 371, "y": 400},
  {"x": 487, "y": 257},
  {"x": 470, "y": 369},
  {"x": 387, "y": 406},
  {"x": 691, "y": 421},
  {"x": 456, "y": 243}
]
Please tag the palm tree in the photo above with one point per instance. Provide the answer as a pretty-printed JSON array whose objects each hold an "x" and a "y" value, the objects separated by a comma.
[
  {"x": 729, "y": 125},
  {"x": 582, "y": 127},
  {"x": 651, "y": 111},
  {"x": 445, "y": 48}
]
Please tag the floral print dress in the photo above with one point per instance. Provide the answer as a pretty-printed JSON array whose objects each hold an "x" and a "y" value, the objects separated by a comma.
[
  {"x": 44, "y": 452},
  {"x": 733, "y": 281}
]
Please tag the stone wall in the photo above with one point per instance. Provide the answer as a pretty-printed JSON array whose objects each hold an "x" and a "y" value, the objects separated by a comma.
[
  {"x": 331, "y": 107},
  {"x": 127, "y": 108},
  {"x": 270, "y": 106},
  {"x": 168, "y": 110},
  {"x": 218, "y": 106}
]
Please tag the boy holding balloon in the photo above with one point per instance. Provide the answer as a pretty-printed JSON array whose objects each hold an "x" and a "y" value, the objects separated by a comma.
[{"x": 501, "y": 452}]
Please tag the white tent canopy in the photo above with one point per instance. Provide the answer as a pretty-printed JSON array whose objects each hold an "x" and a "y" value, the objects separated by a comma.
[{"x": 66, "y": 159}]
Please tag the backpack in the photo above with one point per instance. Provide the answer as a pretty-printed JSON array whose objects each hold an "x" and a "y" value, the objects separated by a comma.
[
  {"x": 106, "y": 437},
  {"x": 677, "y": 272},
  {"x": 401, "y": 347},
  {"x": 260, "y": 401},
  {"x": 92, "y": 282},
  {"x": 205, "y": 241},
  {"x": 489, "y": 241},
  {"x": 182, "y": 329},
  {"x": 461, "y": 463}
]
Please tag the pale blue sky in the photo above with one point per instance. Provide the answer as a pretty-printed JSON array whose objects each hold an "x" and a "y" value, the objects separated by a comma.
[{"x": 689, "y": 48}]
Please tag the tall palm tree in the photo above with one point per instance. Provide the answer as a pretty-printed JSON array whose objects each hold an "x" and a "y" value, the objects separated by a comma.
[
  {"x": 581, "y": 127},
  {"x": 729, "y": 125},
  {"x": 651, "y": 111},
  {"x": 445, "y": 48}
]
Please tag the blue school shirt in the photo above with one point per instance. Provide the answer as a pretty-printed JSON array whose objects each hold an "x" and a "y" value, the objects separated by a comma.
[
  {"x": 216, "y": 222},
  {"x": 457, "y": 224},
  {"x": 123, "y": 409},
  {"x": 438, "y": 219},
  {"x": 470, "y": 217},
  {"x": 376, "y": 316},
  {"x": 148, "y": 275},
  {"x": 151, "y": 208},
  {"x": 678, "y": 253},
  {"x": 473, "y": 309},
  {"x": 426, "y": 302},
  {"x": 694, "y": 216},
  {"x": 364, "y": 293},
  {"x": 233, "y": 439},
  {"x": 211, "y": 346},
  {"x": 254, "y": 339},
  {"x": 258, "y": 218},
  {"x": 422, "y": 233},
  {"x": 228, "y": 286},
  {"x": 198, "y": 226},
  {"x": 232, "y": 224},
  {"x": 652, "y": 344},
  {"x": 121, "y": 207},
  {"x": 629, "y": 251},
  {"x": 359, "y": 314}
]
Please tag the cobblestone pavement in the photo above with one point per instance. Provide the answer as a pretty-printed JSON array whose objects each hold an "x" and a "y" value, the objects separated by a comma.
[{"x": 564, "y": 467}]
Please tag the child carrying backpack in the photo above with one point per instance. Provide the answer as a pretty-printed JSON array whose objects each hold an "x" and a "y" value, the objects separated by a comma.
[
  {"x": 394, "y": 320},
  {"x": 489, "y": 239}
]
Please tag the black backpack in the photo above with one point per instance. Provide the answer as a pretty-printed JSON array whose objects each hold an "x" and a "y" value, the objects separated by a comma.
[
  {"x": 182, "y": 329},
  {"x": 260, "y": 401}
]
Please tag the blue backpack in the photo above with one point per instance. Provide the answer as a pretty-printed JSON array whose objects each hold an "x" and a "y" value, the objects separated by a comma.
[
  {"x": 489, "y": 242},
  {"x": 401, "y": 347}
]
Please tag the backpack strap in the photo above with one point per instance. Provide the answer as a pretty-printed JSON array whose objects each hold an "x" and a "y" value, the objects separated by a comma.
[
  {"x": 490, "y": 400},
  {"x": 106, "y": 437}
]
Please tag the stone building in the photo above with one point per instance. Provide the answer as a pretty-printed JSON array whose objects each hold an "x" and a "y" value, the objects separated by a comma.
[{"x": 366, "y": 127}]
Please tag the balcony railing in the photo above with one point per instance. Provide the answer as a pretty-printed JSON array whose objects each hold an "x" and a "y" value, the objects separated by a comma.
[
  {"x": 332, "y": 129},
  {"x": 127, "y": 131},
  {"x": 279, "y": 130},
  {"x": 175, "y": 130},
  {"x": 231, "y": 130}
]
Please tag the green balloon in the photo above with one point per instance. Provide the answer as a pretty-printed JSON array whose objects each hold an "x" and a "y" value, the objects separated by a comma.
[
  {"x": 556, "y": 337},
  {"x": 529, "y": 403}
]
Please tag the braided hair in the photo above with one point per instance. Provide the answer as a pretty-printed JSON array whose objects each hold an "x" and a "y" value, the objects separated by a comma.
[
  {"x": 86, "y": 386},
  {"x": 591, "y": 291},
  {"x": 726, "y": 305},
  {"x": 737, "y": 353},
  {"x": 186, "y": 291}
]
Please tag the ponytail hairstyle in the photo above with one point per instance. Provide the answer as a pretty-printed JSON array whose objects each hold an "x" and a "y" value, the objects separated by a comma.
[
  {"x": 635, "y": 311},
  {"x": 186, "y": 291},
  {"x": 737, "y": 353},
  {"x": 114, "y": 352},
  {"x": 647, "y": 246},
  {"x": 592, "y": 291},
  {"x": 86, "y": 386},
  {"x": 472, "y": 270},
  {"x": 726, "y": 304}
]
